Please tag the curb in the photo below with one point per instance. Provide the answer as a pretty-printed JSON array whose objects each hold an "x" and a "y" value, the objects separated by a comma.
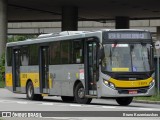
[{"x": 145, "y": 101}]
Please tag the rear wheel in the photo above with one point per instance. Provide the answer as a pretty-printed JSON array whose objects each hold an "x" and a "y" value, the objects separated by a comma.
[
  {"x": 79, "y": 94},
  {"x": 30, "y": 93},
  {"x": 124, "y": 101},
  {"x": 67, "y": 98}
]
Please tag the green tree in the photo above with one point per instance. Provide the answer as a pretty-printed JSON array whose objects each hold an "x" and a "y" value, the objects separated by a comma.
[
  {"x": 2, "y": 67},
  {"x": 20, "y": 37}
]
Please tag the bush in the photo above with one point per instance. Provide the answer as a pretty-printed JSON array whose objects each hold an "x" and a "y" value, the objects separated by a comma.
[
  {"x": 2, "y": 68},
  {"x": 2, "y": 84}
]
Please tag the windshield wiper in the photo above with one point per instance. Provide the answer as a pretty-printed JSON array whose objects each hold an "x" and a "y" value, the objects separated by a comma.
[{"x": 131, "y": 50}]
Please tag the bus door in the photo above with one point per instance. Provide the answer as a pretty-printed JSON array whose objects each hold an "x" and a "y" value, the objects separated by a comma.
[
  {"x": 91, "y": 67},
  {"x": 16, "y": 70},
  {"x": 44, "y": 69}
]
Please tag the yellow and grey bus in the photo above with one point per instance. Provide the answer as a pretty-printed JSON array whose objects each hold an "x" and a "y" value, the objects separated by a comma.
[{"x": 81, "y": 65}]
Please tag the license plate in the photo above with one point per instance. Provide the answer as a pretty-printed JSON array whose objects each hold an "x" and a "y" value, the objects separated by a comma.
[{"x": 133, "y": 92}]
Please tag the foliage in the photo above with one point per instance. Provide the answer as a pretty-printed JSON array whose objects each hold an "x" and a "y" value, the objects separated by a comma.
[
  {"x": 2, "y": 84},
  {"x": 2, "y": 67},
  {"x": 20, "y": 37},
  {"x": 152, "y": 98},
  {"x": 2, "y": 70}
]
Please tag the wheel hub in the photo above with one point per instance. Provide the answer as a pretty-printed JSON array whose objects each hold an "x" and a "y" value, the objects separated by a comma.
[{"x": 81, "y": 93}]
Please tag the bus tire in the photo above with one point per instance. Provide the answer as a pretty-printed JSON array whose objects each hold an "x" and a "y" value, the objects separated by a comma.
[
  {"x": 124, "y": 101},
  {"x": 67, "y": 98},
  {"x": 30, "y": 93},
  {"x": 79, "y": 94}
]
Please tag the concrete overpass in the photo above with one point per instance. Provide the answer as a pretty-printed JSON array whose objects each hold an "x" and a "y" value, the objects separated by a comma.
[
  {"x": 69, "y": 12},
  {"x": 55, "y": 10}
]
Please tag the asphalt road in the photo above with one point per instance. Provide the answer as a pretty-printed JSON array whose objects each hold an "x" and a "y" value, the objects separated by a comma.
[{"x": 18, "y": 102}]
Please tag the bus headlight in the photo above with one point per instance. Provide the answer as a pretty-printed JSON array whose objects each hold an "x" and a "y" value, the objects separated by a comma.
[
  {"x": 109, "y": 84},
  {"x": 105, "y": 82},
  {"x": 112, "y": 85},
  {"x": 151, "y": 83}
]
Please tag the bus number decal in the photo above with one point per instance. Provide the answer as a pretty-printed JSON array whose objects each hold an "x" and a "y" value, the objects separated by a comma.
[
  {"x": 24, "y": 75},
  {"x": 142, "y": 83}
]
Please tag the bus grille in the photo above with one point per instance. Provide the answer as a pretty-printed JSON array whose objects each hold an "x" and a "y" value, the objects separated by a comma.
[{"x": 131, "y": 77}]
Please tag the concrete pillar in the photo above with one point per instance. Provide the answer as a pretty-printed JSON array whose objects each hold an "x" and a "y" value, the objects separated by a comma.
[
  {"x": 69, "y": 18},
  {"x": 122, "y": 22},
  {"x": 158, "y": 33},
  {"x": 3, "y": 25}
]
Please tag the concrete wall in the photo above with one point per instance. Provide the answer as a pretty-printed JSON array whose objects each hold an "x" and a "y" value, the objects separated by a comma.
[{"x": 49, "y": 27}]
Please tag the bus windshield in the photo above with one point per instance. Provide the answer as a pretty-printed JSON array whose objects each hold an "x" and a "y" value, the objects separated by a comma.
[{"x": 127, "y": 57}]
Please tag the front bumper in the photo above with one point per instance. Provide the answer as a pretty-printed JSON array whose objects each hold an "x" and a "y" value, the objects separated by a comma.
[{"x": 109, "y": 92}]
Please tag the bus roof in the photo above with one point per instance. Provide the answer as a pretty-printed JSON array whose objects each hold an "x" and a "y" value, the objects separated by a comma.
[{"x": 65, "y": 35}]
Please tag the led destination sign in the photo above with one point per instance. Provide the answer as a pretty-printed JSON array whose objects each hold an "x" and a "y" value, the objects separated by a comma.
[{"x": 127, "y": 35}]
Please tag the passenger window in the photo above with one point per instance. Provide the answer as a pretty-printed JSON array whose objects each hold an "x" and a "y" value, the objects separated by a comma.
[
  {"x": 24, "y": 56},
  {"x": 78, "y": 52},
  {"x": 33, "y": 54},
  {"x": 55, "y": 53},
  {"x": 65, "y": 52}
]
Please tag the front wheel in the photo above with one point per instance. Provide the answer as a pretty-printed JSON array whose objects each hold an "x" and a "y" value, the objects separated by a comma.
[
  {"x": 30, "y": 93},
  {"x": 79, "y": 95},
  {"x": 124, "y": 101}
]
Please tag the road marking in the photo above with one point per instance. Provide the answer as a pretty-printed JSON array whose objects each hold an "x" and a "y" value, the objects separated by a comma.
[
  {"x": 7, "y": 101},
  {"x": 75, "y": 105},
  {"x": 46, "y": 104},
  {"x": 145, "y": 108},
  {"x": 108, "y": 107},
  {"x": 21, "y": 102},
  {"x": 90, "y": 106}
]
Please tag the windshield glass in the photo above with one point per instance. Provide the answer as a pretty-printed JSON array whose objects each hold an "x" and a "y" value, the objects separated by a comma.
[{"x": 126, "y": 58}]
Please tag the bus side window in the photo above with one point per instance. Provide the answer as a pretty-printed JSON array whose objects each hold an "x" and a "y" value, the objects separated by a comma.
[
  {"x": 33, "y": 54},
  {"x": 9, "y": 56},
  {"x": 55, "y": 53},
  {"x": 24, "y": 56},
  {"x": 65, "y": 52},
  {"x": 78, "y": 51}
]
